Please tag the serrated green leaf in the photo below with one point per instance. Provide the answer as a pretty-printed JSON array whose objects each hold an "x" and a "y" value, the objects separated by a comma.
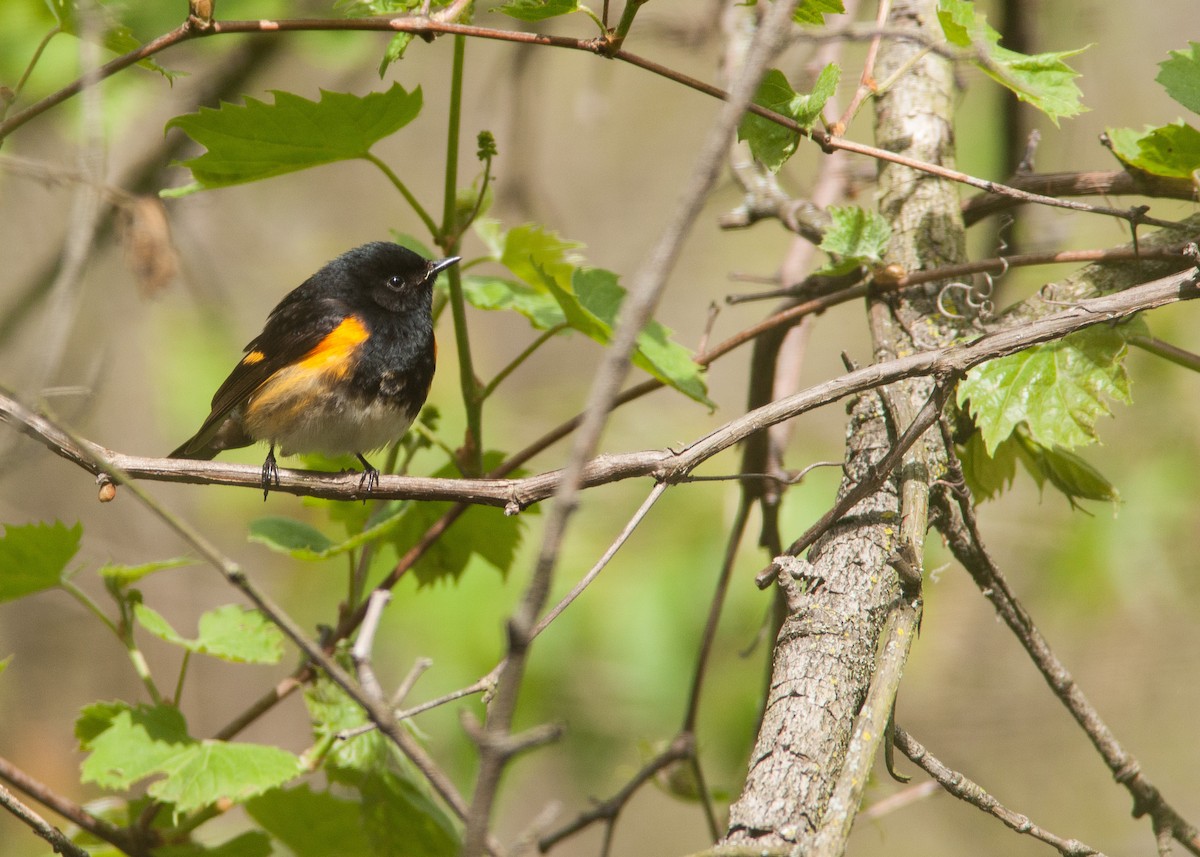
[
  {"x": 856, "y": 235},
  {"x": 813, "y": 12},
  {"x": 103, "y": 29},
  {"x": 287, "y": 535},
  {"x": 1065, "y": 470},
  {"x": 481, "y": 530},
  {"x": 988, "y": 475},
  {"x": 240, "y": 635},
  {"x": 497, "y": 293},
  {"x": 34, "y": 557},
  {"x": 252, "y": 843},
  {"x": 311, "y": 824},
  {"x": 400, "y": 820},
  {"x": 1058, "y": 390},
  {"x": 208, "y": 771},
  {"x": 257, "y": 140},
  {"x": 134, "y": 743},
  {"x": 398, "y": 815},
  {"x": 231, "y": 633},
  {"x": 537, "y": 10},
  {"x": 128, "y": 744},
  {"x": 303, "y": 541},
  {"x": 589, "y": 299},
  {"x": 124, "y": 575},
  {"x": 1172, "y": 150},
  {"x": 1043, "y": 80},
  {"x": 1180, "y": 76},
  {"x": 771, "y": 143},
  {"x": 394, "y": 52}
]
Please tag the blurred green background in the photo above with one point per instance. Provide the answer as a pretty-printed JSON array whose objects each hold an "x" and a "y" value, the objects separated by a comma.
[{"x": 597, "y": 151}]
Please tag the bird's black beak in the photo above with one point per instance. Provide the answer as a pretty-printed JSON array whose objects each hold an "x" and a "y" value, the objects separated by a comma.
[{"x": 437, "y": 267}]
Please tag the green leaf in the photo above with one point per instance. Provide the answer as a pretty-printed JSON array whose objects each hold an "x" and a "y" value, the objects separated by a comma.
[
  {"x": 398, "y": 816},
  {"x": 497, "y": 293},
  {"x": 1065, "y": 470},
  {"x": 104, "y": 29},
  {"x": 1180, "y": 76},
  {"x": 208, "y": 771},
  {"x": 1043, "y": 80},
  {"x": 988, "y": 475},
  {"x": 394, "y": 51},
  {"x": 537, "y": 10},
  {"x": 303, "y": 541},
  {"x": 1058, "y": 390},
  {"x": 856, "y": 235},
  {"x": 311, "y": 824},
  {"x": 770, "y": 142},
  {"x": 231, "y": 633},
  {"x": 129, "y": 744},
  {"x": 813, "y": 12},
  {"x": 287, "y": 535},
  {"x": 588, "y": 298},
  {"x": 34, "y": 557},
  {"x": 256, "y": 140},
  {"x": 482, "y": 531},
  {"x": 125, "y": 575},
  {"x": 1172, "y": 150}
]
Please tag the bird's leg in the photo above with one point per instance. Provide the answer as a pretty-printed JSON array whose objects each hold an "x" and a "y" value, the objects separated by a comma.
[
  {"x": 370, "y": 478},
  {"x": 270, "y": 472}
]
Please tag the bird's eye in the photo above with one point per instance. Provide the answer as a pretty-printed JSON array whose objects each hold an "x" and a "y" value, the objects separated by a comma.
[{"x": 395, "y": 283}]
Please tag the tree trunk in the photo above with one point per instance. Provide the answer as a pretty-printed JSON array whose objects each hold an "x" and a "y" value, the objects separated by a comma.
[{"x": 804, "y": 783}]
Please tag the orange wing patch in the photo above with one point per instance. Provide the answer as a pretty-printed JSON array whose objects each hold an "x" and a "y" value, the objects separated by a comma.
[
  {"x": 253, "y": 357},
  {"x": 334, "y": 353}
]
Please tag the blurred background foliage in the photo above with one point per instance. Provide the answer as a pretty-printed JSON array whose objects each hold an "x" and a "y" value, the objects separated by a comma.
[{"x": 596, "y": 151}]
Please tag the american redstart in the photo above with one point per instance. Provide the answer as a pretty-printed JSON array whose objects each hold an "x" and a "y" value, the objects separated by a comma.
[{"x": 342, "y": 366}]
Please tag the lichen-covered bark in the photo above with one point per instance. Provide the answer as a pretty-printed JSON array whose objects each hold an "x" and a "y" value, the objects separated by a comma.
[{"x": 839, "y": 596}]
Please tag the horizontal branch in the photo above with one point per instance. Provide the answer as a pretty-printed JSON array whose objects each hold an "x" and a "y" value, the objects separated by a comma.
[{"x": 663, "y": 465}]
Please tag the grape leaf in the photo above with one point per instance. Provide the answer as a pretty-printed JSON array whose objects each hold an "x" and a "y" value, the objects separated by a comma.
[
  {"x": 34, "y": 557},
  {"x": 587, "y": 298},
  {"x": 856, "y": 235},
  {"x": 397, "y": 814},
  {"x": 1043, "y": 80},
  {"x": 1065, "y": 470},
  {"x": 257, "y": 140},
  {"x": 537, "y": 10},
  {"x": 770, "y": 142},
  {"x": 311, "y": 824},
  {"x": 813, "y": 12},
  {"x": 231, "y": 633},
  {"x": 496, "y": 293},
  {"x": 1172, "y": 150},
  {"x": 1058, "y": 389},
  {"x": 481, "y": 530},
  {"x": 1180, "y": 76},
  {"x": 128, "y": 744},
  {"x": 303, "y": 541}
]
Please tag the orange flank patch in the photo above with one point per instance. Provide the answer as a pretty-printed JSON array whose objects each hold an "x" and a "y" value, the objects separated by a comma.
[
  {"x": 253, "y": 357},
  {"x": 335, "y": 352}
]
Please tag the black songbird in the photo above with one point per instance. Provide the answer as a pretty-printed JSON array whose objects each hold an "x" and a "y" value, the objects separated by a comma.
[{"x": 342, "y": 366}]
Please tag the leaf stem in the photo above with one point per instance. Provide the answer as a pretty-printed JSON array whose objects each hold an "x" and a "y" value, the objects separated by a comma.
[
  {"x": 405, "y": 192},
  {"x": 449, "y": 240}
]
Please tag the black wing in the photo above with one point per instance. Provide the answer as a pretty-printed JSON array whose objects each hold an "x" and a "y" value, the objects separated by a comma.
[{"x": 293, "y": 329}]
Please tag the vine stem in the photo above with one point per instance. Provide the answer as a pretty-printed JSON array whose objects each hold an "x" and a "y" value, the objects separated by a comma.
[{"x": 450, "y": 239}]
